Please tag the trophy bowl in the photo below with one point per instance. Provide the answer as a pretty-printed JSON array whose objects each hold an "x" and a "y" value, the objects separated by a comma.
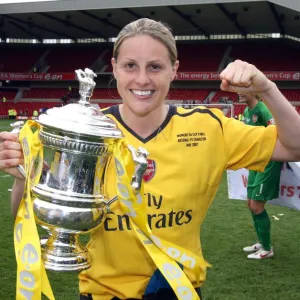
[{"x": 68, "y": 199}]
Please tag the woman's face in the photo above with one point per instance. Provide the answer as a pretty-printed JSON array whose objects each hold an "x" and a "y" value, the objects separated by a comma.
[{"x": 143, "y": 71}]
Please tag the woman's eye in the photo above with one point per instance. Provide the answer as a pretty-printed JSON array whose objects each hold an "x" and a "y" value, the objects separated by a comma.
[
  {"x": 155, "y": 67},
  {"x": 130, "y": 66}
]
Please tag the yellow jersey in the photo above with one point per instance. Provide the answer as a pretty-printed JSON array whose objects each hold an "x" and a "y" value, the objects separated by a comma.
[{"x": 188, "y": 155}]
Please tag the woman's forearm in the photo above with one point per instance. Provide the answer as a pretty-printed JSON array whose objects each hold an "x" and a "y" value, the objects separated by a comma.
[
  {"x": 286, "y": 118},
  {"x": 16, "y": 195}
]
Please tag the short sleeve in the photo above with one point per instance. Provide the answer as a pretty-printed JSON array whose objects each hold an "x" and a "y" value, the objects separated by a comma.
[
  {"x": 247, "y": 146},
  {"x": 268, "y": 118}
]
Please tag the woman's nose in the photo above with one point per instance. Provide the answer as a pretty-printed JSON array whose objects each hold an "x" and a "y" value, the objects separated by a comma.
[{"x": 142, "y": 77}]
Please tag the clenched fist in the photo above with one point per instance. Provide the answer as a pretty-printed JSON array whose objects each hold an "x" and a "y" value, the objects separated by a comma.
[
  {"x": 11, "y": 154},
  {"x": 241, "y": 77}
]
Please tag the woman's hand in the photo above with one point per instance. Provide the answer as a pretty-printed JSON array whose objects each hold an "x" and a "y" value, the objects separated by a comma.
[
  {"x": 241, "y": 77},
  {"x": 11, "y": 154}
]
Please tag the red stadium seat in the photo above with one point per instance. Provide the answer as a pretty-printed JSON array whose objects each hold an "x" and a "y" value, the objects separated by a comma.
[
  {"x": 268, "y": 56},
  {"x": 200, "y": 57}
]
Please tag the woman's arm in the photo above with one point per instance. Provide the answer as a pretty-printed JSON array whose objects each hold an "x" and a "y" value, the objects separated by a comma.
[
  {"x": 287, "y": 121},
  {"x": 16, "y": 195},
  {"x": 241, "y": 77},
  {"x": 10, "y": 157}
]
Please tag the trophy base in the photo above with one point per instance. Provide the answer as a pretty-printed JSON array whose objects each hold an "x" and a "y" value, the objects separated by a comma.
[
  {"x": 65, "y": 264},
  {"x": 62, "y": 252}
]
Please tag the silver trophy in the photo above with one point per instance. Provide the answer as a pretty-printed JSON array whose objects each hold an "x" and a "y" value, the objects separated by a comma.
[{"x": 68, "y": 200}]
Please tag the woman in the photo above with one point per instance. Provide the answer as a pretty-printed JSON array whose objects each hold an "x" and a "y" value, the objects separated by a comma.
[{"x": 189, "y": 150}]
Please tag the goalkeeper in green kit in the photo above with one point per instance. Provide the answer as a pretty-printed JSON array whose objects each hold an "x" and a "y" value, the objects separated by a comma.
[{"x": 262, "y": 186}]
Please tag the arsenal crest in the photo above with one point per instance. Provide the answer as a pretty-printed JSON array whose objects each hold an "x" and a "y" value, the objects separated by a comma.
[
  {"x": 254, "y": 118},
  {"x": 271, "y": 122},
  {"x": 150, "y": 171}
]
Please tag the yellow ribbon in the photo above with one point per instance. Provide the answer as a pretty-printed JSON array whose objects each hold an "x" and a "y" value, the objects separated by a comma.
[
  {"x": 164, "y": 254},
  {"x": 32, "y": 278}
]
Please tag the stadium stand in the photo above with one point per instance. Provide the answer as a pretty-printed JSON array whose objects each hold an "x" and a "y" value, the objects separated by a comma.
[
  {"x": 18, "y": 59},
  {"x": 227, "y": 96},
  {"x": 74, "y": 59},
  {"x": 26, "y": 107},
  {"x": 291, "y": 95},
  {"x": 202, "y": 57},
  {"x": 268, "y": 56},
  {"x": 46, "y": 93},
  {"x": 8, "y": 94}
]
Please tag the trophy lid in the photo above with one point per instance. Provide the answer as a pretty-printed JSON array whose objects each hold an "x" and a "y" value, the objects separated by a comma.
[{"x": 81, "y": 117}]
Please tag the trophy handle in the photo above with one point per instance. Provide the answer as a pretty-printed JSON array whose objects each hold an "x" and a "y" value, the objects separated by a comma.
[
  {"x": 140, "y": 161},
  {"x": 17, "y": 126},
  {"x": 109, "y": 202}
]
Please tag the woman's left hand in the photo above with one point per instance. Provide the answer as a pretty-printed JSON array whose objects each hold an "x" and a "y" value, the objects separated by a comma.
[{"x": 241, "y": 77}]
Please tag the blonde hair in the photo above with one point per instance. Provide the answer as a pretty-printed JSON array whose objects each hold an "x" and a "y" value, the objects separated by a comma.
[{"x": 157, "y": 30}]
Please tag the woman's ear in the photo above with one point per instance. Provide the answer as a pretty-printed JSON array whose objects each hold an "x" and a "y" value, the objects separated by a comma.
[
  {"x": 174, "y": 71},
  {"x": 114, "y": 63}
]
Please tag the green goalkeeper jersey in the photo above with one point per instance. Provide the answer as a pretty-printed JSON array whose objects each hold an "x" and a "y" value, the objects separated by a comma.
[
  {"x": 269, "y": 179},
  {"x": 258, "y": 115}
]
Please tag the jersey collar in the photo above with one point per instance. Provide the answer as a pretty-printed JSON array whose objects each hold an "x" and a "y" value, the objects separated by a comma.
[{"x": 115, "y": 111}]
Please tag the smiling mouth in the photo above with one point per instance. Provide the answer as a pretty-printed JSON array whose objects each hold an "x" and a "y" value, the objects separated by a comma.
[{"x": 142, "y": 93}]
